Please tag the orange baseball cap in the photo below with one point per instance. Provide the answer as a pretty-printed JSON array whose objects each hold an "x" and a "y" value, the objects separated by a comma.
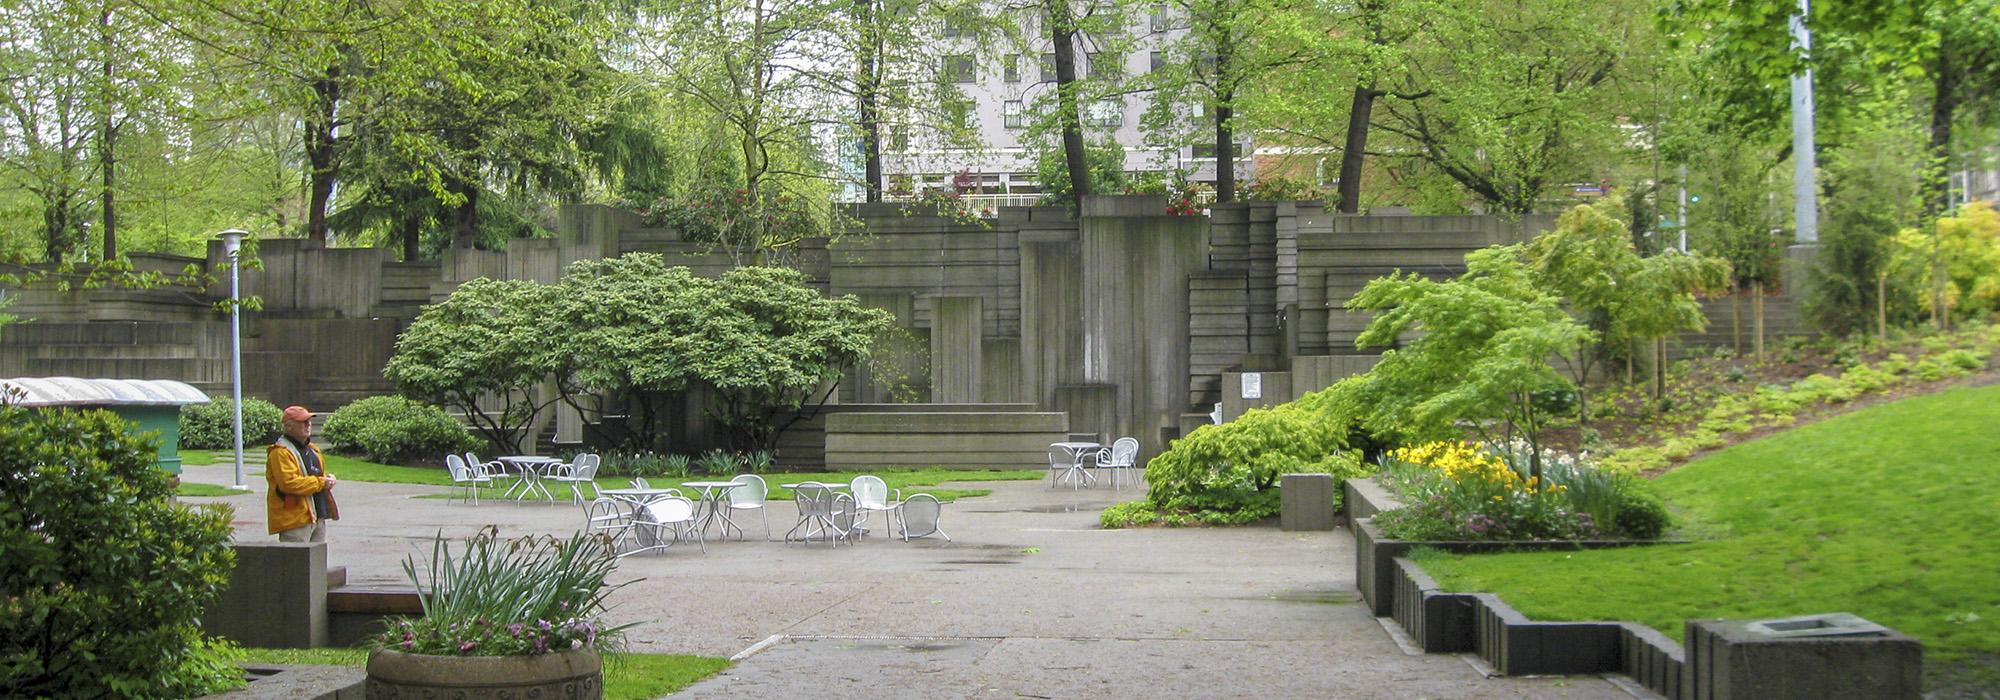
[{"x": 297, "y": 413}]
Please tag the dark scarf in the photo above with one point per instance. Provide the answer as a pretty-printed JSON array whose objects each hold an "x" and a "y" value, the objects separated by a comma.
[{"x": 309, "y": 463}]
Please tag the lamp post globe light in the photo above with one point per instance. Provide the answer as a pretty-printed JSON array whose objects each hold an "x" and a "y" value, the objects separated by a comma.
[{"x": 232, "y": 246}]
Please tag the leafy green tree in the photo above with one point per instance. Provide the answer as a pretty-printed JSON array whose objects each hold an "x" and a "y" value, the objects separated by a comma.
[
  {"x": 489, "y": 342},
  {"x": 758, "y": 342},
  {"x": 105, "y": 574},
  {"x": 1472, "y": 351},
  {"x": 1106, "y": 165},
  {"x": 1214, "y": 65},
  {"x": 1590, "y": 263},
  {"x": 1946, "y": 53}
]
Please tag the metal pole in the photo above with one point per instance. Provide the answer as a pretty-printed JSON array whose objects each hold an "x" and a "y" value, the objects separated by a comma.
[
  {"x": 1805, "y": 192},
  {"x": 1684, "y": 207},
  {"x": 232, "y": 242}
]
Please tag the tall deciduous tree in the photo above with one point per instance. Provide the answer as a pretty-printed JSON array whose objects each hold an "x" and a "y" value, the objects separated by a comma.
[{"x": 1215, "y": 64}]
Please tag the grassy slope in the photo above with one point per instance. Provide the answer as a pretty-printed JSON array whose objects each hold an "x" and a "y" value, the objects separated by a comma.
[
  {"x": 626, "y": 676},
  {"x": 1889, "y": 513}
]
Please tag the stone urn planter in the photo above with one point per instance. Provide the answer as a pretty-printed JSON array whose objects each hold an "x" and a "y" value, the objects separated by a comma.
[{"x": 574, "y": 675}]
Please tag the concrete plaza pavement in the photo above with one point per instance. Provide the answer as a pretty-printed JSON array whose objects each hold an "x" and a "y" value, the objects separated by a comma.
[{"x": 1030, "y": 599}]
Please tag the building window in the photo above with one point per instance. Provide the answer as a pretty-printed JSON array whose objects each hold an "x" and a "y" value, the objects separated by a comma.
[
  {"x": 1048, "y": 68},
  {"x": 1160, "y": 23},
  {"x": 1104, "y": 113},
  {"x": 1010, "y": 66},
  {"x": 1158, "y": 60},
  {"x": 1013, "y": 113},
  {"x": 957, "y": 68}
]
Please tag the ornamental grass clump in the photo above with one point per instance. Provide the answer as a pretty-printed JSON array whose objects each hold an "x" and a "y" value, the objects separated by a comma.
[
  {"x": 534, "y": 595},
  {"x": 1463, "y": 491}
]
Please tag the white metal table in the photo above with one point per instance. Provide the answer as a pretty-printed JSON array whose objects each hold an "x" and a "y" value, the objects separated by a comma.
[
  {"x": 1075, "y": 473},
  {"x": 713, "y": 493},
  {"x": 530, "y": 467}
]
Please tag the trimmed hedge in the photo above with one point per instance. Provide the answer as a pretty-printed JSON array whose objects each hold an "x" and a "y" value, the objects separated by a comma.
[
  {"x": 211, "y": 426},
  {"x": 393, "y": 429}
]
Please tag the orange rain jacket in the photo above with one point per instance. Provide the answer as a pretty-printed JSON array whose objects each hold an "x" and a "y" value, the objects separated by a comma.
[{"x": 290, "y": 496}]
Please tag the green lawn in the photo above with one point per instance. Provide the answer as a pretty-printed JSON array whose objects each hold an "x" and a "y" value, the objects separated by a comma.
[
  {"x": 193, "y": 489},
  {"x": 1890, "y": 513},
  {"x": 910, "y": 481},
  {"x": 626, "y": 676}
]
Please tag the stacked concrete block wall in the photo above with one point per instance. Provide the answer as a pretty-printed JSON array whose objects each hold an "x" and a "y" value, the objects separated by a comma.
[{"x": 953, "y": 440}]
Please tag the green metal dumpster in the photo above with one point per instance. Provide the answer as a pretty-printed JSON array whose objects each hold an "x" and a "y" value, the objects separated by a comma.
[{"x": 149, "y": 405}]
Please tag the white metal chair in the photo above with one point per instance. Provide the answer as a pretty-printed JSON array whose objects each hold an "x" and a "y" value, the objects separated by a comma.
[
  {"x": 672, "y": 514},
  {"x": 750, "y": 493},
  {"x": 580, "y": 471},
  {"x": 918, "y": 517},
  {"x": 872, "y": 495},
  {"x": 847, "y": 520},
  {"x": 817, "y": 508},
  {"x": 495, "y": 470},
  {"x": 1120, "y": 458},
  {"x": 639, "y": 482},
  {"x": 464, "y": 477},
  {"x": 610, "y": 518}
]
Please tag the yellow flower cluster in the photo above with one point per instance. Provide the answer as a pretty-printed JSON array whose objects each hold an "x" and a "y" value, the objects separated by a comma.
[{"x": 1461, "y": 461}]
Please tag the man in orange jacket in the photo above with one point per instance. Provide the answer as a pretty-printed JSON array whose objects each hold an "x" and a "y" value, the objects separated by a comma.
[{"x": 301, "y": 495}]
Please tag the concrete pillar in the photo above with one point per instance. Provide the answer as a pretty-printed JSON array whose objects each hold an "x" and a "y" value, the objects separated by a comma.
[
  {"x": 1305, "y": 502},
  {"x": 1051, "y": 314},
  {"x": 276, "y": 597},
  {"x": 1136, "y": 263},
  {"x": 957, "y": 372}
]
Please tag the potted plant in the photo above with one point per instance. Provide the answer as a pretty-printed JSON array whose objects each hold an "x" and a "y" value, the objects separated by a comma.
[{"x": 505, "y": 618}]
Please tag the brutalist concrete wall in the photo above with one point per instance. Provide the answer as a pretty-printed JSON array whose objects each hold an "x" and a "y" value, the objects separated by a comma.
[
  {"x": 957, "y": 375},
  {"x": 953, "y": 440},
  {"x": 910, "y": 252},
  {"x": 276, "y": 597},
  {"x": 1136, "y": 263},
  {"x": 1051, "y": 301}
]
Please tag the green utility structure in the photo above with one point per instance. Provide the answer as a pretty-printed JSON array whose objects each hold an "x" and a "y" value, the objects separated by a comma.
[{"x": 147, "y": 405}]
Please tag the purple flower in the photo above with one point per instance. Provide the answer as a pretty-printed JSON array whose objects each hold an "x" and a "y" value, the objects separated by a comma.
[
  {"x": 467, "y": 646},
  {"x": 515, "y": 629}
]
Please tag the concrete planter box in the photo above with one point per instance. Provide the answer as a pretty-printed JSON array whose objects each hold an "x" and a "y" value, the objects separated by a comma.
[
  {"x": 1838, "y": 656},
  {"x": 575, "y": 674}
]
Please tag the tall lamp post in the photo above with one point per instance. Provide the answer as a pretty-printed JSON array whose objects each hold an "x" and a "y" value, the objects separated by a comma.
[{"x": 232, "y": 246}]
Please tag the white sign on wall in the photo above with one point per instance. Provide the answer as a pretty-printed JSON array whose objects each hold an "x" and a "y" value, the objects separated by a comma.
[{"x": 1253, "y": 385}]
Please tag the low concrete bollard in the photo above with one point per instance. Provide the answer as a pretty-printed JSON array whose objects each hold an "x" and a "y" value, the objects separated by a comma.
[
  {"x": 1836, "y": 655},
  {"x": 1305, "y": 502},
  {"x": 276, "y": 597}
]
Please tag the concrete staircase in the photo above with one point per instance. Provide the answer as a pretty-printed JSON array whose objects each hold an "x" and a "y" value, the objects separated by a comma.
[{"x": 406, "y": 288}]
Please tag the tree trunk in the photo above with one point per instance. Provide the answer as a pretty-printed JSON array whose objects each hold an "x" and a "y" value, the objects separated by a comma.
[
  {"x": 320, "y": 146},
  {"x": 411, "y": 235},
  {"x": 1225, "y": 153},
  {"x": 1356, "y": 148},
  {"x": 1062, "y": 29},
  {"x": 1659, "y": 368},
  {"x": 1225, "y": 97},
  {"x": 1944, "y": 108},
  {"x": 1757, "y": 316},
  {"x": 1736, "y": 321},
  {"x": 107, "y": 140},
  {"x": 1882, "y": 307},
  {"x": 465, "y": 216},
  {"x": 868, "y": 83}
]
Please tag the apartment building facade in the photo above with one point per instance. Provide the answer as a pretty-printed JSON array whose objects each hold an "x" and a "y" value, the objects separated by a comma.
[{"x": 1004, "y": 87}]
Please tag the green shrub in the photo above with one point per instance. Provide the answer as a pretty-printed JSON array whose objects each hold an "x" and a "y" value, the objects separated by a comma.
[
  {"x": 392, "y": 428},
  {"x": 212, "y": 425},
  {"x": 643, "y": 464},
  {"x": 1129, "y": 514},
  {"x": 103, "y": 575},
  {"x": 1227, "y": 474}
]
